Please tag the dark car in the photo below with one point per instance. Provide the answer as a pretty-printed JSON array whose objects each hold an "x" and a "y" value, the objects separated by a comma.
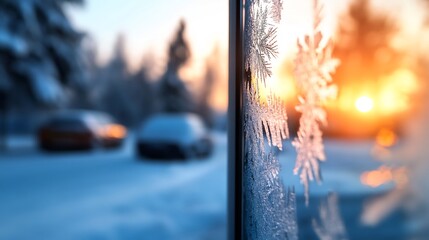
[
  {"x": 80, "y": 130},
  {"x": 174, "y": 136}
]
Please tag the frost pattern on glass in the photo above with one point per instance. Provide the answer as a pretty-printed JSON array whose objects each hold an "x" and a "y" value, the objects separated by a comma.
[
  {"x": 313, "y": 68},
  {"x": 330, "y": 226},
  {"x": 276, "y": 10},
  {"x": 269, "y": 209},
  {"x": 261, "y": 33},
  {"x": 291, "y": 220},
  {"x": 268, "y": 116},
  {"x": 260, "y": 49}
]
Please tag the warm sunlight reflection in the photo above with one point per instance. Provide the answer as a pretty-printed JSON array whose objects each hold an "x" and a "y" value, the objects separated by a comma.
[
  {"x": 377, "y": 178},
  {"x": 386, "y": 137},
  {"x": 364, "y": 104},
  {"x": 384, "y": 175},
  {"x": 115, "y": 131},
  {"x": 282, "y": 86}
]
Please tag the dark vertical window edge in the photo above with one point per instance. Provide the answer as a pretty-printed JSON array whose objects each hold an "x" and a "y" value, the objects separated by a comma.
[{"x": 235, "y": 121}]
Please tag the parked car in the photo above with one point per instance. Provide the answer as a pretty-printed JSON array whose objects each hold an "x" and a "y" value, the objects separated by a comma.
[
  {"x": 79, "y": 130},
  {"x": 174, "y": 136}
]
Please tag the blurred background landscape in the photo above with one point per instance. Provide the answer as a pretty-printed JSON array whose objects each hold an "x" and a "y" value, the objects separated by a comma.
[{"x": 113, "y": 118}]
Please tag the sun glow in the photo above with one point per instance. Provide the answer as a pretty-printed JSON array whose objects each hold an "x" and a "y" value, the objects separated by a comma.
[{"x": 364, "y": 104}]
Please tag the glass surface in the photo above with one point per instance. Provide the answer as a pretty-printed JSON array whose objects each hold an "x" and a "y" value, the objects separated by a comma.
[{"x": 348, "y": 168}]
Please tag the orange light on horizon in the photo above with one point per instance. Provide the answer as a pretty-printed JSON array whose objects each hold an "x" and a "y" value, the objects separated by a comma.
[{"x": 385, "y": 97}]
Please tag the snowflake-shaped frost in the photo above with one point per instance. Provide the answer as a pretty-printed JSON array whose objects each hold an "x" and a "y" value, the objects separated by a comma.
[
  {"x": 261, "y": 45},
  {"x": 331, "y": 225},
  {"x": 313, "y": 68}
]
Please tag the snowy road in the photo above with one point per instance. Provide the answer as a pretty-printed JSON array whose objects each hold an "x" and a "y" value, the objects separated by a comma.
[
  {"x": 346, "y": 161},
  {"x": 111, "y": 195}
]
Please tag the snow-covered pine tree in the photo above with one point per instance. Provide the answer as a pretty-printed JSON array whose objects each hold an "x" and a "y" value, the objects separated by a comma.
[
  {"x": 206, "y": 91},
  {"x": 142, "y": 93},
  {"x": 85, "y": 99},
  {"x": 129, "y": 97},
  {"x": 118, "y": 65},
  {"x": 173, "y": 91},
  {"x": 112, "y": 90},
  {"x": 38, "y": 50}
]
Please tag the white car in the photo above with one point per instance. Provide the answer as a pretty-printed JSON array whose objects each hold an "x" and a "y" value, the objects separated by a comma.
[{"x": 174, "y": 136}]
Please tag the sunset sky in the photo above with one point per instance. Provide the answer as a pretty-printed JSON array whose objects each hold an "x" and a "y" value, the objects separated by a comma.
[{"x": 149, "y": 26}]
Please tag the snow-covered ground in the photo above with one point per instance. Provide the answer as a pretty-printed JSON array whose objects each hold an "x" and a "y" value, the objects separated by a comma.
[
  {"x": 113, "y": 195},
  {"x": 341, "y": 172},
  {"x": 110, "y": 195},
  {"x": 346, "y": 161}
]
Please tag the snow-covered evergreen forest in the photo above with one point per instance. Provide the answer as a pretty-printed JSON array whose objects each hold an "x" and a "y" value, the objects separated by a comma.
[{"x": 47, "y": 65}]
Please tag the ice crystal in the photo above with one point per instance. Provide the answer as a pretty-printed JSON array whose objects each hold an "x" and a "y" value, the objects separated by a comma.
[
  {"x": 378, "y": 208},
  {"x": 276, "y": 10},
  {"x": 270, "y": 210},
  {"x": 269, "y": 117},
  {"x": 260, "y": 49},
  {"x": 261, "y": 45},
  {"x": 330, "y": 226},
  {"x": 313, "y": 68},
  {"x": 291, "y": 220}
]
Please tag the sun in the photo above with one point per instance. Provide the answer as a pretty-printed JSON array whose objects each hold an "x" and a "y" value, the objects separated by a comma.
[{"x": 364, "y": 104}]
